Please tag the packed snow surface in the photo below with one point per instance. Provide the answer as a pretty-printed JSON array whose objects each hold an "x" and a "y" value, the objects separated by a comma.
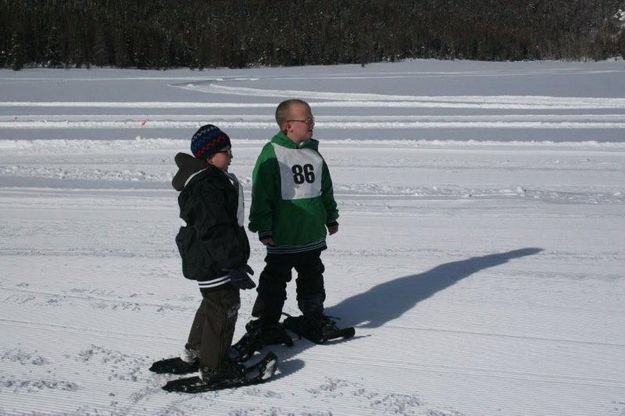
[{"x": 480, "y": 253}]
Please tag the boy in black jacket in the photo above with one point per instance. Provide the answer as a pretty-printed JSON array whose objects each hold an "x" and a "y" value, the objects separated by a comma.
[{"x": 214, "y": 250}]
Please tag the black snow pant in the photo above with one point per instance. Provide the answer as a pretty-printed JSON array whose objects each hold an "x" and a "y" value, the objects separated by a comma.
[
  {"x": 273, "y": 281},
  {"x": 213, "y": 327}
]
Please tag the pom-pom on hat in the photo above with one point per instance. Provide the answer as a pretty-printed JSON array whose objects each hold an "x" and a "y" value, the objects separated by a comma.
[{"x": 207, "y": 141}]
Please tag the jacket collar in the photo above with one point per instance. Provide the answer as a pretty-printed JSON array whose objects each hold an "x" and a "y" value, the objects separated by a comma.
[
  {"x": 209, "y": 172},
  {"x": 282, "y": 139}
]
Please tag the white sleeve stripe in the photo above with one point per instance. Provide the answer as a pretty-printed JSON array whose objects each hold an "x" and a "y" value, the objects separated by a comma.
[{"x": 213, "y": 283}]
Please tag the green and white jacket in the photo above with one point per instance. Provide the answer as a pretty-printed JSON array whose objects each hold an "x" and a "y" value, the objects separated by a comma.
[{"x": 292, "y": 196}]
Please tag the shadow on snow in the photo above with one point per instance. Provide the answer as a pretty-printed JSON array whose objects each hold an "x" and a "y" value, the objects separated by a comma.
[{"x": 389, "y": 300}]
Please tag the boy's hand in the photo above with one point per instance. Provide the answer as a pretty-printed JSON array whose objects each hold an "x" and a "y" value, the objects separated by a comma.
[
  {"x": 333, "y": 228},
  {"x": 268, "y": 241}
]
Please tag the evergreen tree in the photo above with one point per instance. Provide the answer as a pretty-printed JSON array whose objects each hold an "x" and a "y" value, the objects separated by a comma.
[
  {"x": 239, "y": 33},
  {"x": 54, "y": 53},
  {"x": 16, "y": 53},
  {"x": 99, "y": 51}
]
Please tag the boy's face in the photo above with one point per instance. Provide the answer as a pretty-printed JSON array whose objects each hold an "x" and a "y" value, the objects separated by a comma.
[
  {"x": 300, "y": 124},
  {"x": 221, "y": 159}
]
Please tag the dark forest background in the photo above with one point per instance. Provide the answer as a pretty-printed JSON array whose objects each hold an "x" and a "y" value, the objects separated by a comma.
[{"x": 238, "y": 33}]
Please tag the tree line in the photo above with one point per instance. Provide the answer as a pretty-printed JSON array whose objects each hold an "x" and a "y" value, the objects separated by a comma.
[{"x": 240, "y": 33}]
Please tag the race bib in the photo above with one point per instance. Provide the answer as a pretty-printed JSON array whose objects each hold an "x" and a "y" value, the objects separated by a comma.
[{"x": 300, "y": 172}]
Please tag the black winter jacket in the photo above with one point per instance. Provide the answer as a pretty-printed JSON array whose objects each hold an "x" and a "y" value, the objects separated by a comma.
[{"x": 212, "y": 242}]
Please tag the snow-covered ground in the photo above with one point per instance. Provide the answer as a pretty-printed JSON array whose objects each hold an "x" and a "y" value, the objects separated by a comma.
[{"x": 480, "y": 254}]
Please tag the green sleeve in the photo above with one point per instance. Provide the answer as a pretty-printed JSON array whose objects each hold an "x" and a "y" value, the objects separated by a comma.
[{"x": 265, "y": 191}]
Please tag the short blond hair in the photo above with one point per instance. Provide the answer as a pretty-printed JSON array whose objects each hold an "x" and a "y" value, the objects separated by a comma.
[{"x": 283, "y": 109}]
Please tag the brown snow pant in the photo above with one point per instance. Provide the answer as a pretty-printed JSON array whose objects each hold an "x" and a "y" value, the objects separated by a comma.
[{"x": 213, "y": 327}]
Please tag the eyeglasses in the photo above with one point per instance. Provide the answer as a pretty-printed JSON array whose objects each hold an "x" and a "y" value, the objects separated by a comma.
[
  {"x": 226, "y": 152},
  {"x": 308, "y": 120}
]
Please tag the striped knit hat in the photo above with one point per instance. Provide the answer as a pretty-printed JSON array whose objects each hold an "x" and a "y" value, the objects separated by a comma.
[{"x": 207, "y": 141}]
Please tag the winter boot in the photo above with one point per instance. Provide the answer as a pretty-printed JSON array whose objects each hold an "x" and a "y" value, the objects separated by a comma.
[
  {"x": 275, "y": 335},
  {"x": 257, "y": 337}
]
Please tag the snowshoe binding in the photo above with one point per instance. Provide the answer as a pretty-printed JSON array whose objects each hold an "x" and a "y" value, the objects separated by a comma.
[
  {"x": 188, "y": 362},
  {"x": 318, "y": 331},
  {"x": 175, "y": 366}
]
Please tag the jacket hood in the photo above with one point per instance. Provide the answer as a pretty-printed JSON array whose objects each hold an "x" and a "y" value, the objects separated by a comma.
[{"x": 187, "y": 166}]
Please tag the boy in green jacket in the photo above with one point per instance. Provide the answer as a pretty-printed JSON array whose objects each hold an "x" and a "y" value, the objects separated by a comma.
[{"x": 293, "y": 209}]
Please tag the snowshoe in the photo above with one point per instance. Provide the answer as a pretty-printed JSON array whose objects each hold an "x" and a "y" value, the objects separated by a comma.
[
  {"x": 254, "y": 374},
  {"x": 175, "y": 366},
  {"x": 318, "y": 331},
  {"x": 257, "y": 337}
]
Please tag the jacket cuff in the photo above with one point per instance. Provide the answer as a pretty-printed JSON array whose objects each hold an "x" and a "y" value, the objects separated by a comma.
[
  {"x": 262, "y": 235},
  {"x": 330, "y": 224}
]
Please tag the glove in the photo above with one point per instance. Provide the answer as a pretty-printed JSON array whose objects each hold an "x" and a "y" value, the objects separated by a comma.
[
  {"x": 333, "y": 227},
  {"x": 267, "y": 241},
  {"x": 266, "y": 238},
  {"x": 240, "y": 277}
]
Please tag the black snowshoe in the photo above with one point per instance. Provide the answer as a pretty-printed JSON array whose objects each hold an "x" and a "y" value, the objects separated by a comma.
[
  {"x": 318, "y": 331},
  {"x": 238, "y": 377},
  {"x": 257, "y": 337},
  {"x": 175, "y": 366}
]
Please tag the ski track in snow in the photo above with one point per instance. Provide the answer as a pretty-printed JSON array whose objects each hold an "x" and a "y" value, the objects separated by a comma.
[
  {"x": 112, "y": 357},
  {"x": 346, "y": 113},
  {"x": 344, "y": 122},
  {"x": 484, "y": 277}
]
